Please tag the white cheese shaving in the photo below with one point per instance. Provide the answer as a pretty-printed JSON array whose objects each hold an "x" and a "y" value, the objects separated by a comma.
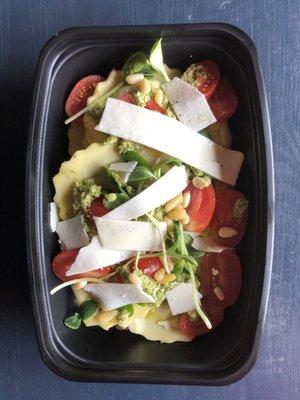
[
  {"x": 94, "y": 256},
  {"x": 161, "y": 191},
  {"x": 189, "y": 104},
  {"x": 206, "y": 243},
  {"x": 71, "y": 233},
  {"x": 114, "y": 295},
  {"x": 180, "y": 298},
  {"x": 170, "y": 136},
  {"x": 130, "y": 235},
  {"x": 53, "y": 217},
  {"x": 124, "y": 169}
]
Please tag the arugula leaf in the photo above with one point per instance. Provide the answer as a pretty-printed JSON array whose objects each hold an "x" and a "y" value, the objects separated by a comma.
[
  {"x": 141, "y": 173},
  {"x": 163, "y": 166},
  {"x": 134, "y": 156},
  {"x": 138, "y": 63}
]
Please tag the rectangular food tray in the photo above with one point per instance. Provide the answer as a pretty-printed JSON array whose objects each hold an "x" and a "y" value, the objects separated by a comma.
[{"x": 226, "y": 354}]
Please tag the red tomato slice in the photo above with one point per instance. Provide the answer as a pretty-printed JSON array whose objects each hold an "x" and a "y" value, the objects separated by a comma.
[
  {"x": 80, "y": 93},
  {"x": 151, "y": 105},
  {"x": 220, "y": 276},
  {"x": 128, "y": 98},
  {"x": 201, "y": 207},
  {"x": 223, "y": 102},
  {"x": 225, "y": 215},
  {"x": 97, "y": 208},
  {"x": 197, "y": 327},
  {"x": 150, "y": 265},
  {"x": 206, "y": 76},
  {"x": 63, "y": 261}
]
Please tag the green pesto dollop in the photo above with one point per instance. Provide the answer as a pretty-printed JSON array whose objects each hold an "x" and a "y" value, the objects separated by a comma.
[
  {"x": 192, "y": 74},
  {"x": 141, "y": 99},
  {"x": 123, "y": 315},
  {"x": 84, "y": 192},
  {"x": 126, "y": 145},
  {"x": 111, "y": 140},
  {"x": 153, "y": 288},
  {"x": 241, "y": 205}
]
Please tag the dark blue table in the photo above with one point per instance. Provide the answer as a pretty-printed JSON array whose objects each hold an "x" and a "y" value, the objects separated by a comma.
[{"x": 25, "y": 26}]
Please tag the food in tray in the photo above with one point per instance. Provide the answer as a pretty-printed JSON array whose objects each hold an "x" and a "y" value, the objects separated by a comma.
[{"x": 145, "y": 209}]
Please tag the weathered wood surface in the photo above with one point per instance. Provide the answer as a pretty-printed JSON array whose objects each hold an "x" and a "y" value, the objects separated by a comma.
[{"x": 24, "y": 27}]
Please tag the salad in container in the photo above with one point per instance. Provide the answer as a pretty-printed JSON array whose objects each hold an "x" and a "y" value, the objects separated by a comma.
[{"x": 145, "y": 209}]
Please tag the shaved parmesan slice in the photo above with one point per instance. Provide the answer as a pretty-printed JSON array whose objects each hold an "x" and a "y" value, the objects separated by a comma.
[
  {"x": 154, "y": 331},
  {"x": 94, "y": 256},
  {"x": 206, "y": 243},
  {"x": 181, "y": 299},
  {"x": 53, "y": 217},
  {"x": 114, "y": 295},
  {"x": 189, "y": 104},
  {"x": 124, "y": 169},
  {"x": 130, "y": 235},
  {"x": 72, "y": 233},
  {"x": 170, "y": 136},
  {"x": 161, "y": 191}
]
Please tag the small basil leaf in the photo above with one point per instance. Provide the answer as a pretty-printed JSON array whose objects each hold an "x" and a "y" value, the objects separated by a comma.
[
  {"x": 128, "y": 308},
  {"x": 205, "y": 133},
  {"x": 134, "y": 64},
  {"x": 73, "y": 322},
  {"x": 135, "y": 156},
  {"x": 87, "y": 309},
  {"x": 113, "y": 200},
  {"x": 140, "y": 173}
]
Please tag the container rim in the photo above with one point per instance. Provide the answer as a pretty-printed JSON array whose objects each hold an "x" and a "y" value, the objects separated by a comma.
[{"x": 49, "y": 354}]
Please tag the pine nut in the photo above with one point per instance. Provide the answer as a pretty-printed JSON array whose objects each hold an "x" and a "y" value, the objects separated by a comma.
[
  {"x": 134, "y": 78},
  {"x": 200, "y": 183},
  {"x": 133, "y": 278},
  {"x": 185, "y": 220},
  {"x": 80, "y": 285},
  {"x": 227, "y": 232},
  {"x": 170, "y": 223},
  {"x": 177, "y": 213},
  {"x": 159, "y": 275},
  {"x": 219, "y": 293},
  {"x": 158, "y": 97},
  {"x": 168, "y": 278},
  {"x": 145, "y": 86},
  {"x": 171, "y": 204},
  {"x": 186, "y": 199},
  {"x": 215, "y": 271}
]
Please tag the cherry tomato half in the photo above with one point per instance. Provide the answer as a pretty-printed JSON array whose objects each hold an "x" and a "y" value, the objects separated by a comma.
[
  {"x": 205, "y": 76},
  {"x": 150, "y": 265},
  {"x": 201, "y": 207},
  {"x": 128, "y": 98},
  {"x": 151, "y": 105},
  {"x": 63, "y": 261},
  {"x": 80, "y": 93},
  {"x": 97, "y": 209},
  {"x": 231, "y": 212},
  {"x": 223, "y": 102},
  {"x": 197, "y": 327},
  {"x": 220, "y": 276}
]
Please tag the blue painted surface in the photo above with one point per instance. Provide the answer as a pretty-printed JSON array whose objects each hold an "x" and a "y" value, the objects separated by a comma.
[{"x": 24, "y": 27}]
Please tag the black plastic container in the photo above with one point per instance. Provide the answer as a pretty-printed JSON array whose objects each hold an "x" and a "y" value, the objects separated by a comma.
[{"x": 227, "y": 353}]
